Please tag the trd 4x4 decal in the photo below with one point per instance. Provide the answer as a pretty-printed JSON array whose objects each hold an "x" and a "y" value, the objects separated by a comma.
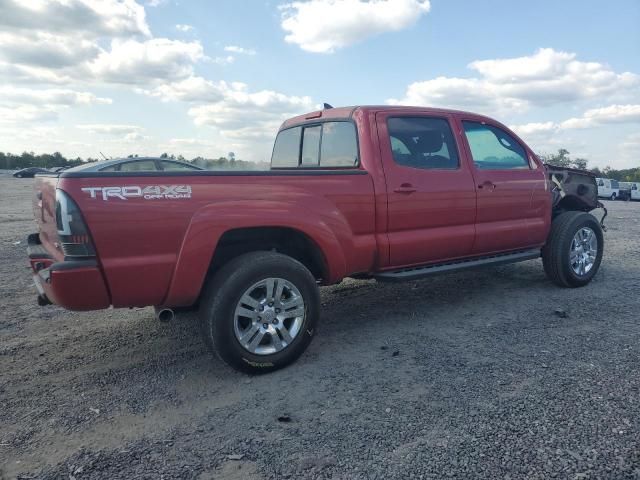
[{"x": 150, "y": 192}]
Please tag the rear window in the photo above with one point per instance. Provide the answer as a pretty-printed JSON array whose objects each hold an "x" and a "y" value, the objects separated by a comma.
[
  {"x": 339, "y": 146},
  {"x": 325, "y": 145},
  {"x": 286, "y": 150},
  {"x": 311, "y": 146}
]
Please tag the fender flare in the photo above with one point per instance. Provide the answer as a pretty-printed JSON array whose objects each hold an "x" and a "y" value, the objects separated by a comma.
[{"x": 211, "y": 221}]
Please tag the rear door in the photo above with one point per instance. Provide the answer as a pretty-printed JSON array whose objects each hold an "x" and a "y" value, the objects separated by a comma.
[
  {"x": 430, "y": 189},
  {"x": 513, "y": 205}
]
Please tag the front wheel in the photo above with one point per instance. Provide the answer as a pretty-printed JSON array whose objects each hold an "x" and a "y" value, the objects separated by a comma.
[
  {"x": 613, "y": 196},
  {"x": 260, "y": 311},
  {"x": 573, "y": 252}
]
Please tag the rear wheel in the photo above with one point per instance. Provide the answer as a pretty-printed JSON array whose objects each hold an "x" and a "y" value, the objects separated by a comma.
[
  {"x": 573, "y": 252},
  {"x": 259, "y": 311}
]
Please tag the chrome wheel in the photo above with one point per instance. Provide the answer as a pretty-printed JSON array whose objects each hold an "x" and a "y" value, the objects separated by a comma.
[
  {"x": 269, "y": 316},
  {"x": 584, "y": 250}
]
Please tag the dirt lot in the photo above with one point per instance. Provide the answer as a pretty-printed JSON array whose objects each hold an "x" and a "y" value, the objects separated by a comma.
[{"x": 472, "y": 375}]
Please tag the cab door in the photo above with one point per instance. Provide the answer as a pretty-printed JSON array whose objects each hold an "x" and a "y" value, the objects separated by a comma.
[
  {"x": 431, "y": 200},
  {"x": 513, "y": 204}
]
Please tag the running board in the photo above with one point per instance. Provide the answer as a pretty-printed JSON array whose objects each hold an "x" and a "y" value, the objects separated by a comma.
[{"x": 414, "y": 273}]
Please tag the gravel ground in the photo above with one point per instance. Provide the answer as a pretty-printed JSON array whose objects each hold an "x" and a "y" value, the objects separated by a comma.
[{"x": 470, "y": 375}]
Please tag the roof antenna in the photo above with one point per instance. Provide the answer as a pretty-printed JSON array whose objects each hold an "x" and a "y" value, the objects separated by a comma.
[
  {"x": 326, "y": 106},
  {"x": 103, "y": 156}
]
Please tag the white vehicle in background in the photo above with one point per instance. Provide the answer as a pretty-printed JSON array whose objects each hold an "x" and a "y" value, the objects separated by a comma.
[
  {"x": 608, "y": 188},
  {"x": 634, "y": 190}
]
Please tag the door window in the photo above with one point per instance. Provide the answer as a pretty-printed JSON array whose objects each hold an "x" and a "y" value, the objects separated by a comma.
[
  {"x": 494, "y": 149},
  {"x": 422, "y": 142}
]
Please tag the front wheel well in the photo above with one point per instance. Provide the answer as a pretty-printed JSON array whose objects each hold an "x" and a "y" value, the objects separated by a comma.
[{"x": 285, "y": 240}]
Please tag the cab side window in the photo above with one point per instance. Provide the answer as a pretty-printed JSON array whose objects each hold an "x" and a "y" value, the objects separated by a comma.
[
  {"x": 422, "y": 142},
  {"x": 494, "y": 149}
]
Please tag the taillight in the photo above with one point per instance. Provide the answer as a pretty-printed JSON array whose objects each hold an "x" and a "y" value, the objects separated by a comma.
[{"x": 72, "y": 231}]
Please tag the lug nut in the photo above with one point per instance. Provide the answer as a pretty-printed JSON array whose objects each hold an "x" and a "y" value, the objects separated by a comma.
[
  {"x": 265, "y": 325},
  {"x": 277, "y": 310},
  {"x": 271, "y": 304},
  {"x": 275, "y": 321}
]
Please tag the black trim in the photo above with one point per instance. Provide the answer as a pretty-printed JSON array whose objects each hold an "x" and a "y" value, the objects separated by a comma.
[
  {"x": 414, "y": 273},
  {"x": 73, "y": 265},
  {"x": 275, "y": 172}
]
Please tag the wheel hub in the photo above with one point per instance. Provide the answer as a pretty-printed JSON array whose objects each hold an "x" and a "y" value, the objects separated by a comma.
[
  {"x": 583, "y": 252},
  {"x": 269, "y": 316}
]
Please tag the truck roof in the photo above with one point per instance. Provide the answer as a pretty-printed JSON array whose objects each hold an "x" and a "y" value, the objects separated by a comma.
[{"x": 349, "y": 111}]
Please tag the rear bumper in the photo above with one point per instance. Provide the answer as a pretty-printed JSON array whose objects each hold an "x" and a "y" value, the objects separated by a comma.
[{"x": 74, "y": 285}]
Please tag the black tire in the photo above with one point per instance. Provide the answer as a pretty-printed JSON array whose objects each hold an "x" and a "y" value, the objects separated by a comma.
[
  {"x": 223, "y": 292},
  {"x": 613, "y": 196},
  {"x": 555, "y": 254}
]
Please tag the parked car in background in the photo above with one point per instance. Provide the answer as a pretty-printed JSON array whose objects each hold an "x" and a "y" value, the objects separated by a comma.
[
  {"x": 138, "y": 164},
  {"x": 624, "y": 191},
  {"x": 30, "y": 172},
  {"x": 631, "y": 190},
  {"x": 608, "y": 188}
]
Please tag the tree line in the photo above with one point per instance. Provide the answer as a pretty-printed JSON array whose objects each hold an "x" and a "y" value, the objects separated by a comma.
[{"x": 9, "y": 161}]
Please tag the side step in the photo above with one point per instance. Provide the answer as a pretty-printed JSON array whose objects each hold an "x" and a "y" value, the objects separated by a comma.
[{"x": 414, "y": 273}]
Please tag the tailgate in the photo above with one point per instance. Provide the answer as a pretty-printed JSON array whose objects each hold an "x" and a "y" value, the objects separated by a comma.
[{"x": 44, "y": 211}]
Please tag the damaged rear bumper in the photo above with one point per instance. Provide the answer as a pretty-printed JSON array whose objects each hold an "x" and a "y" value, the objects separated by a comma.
[{"x": 74, "y": 284}]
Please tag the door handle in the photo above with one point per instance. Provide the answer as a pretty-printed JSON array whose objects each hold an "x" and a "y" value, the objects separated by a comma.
[
  {"x": 405, "y": 188},
  {"x": 488, "y": 185}
]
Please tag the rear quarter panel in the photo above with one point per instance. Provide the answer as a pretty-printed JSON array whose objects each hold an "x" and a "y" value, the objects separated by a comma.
[{"x": 157, "y": 251}]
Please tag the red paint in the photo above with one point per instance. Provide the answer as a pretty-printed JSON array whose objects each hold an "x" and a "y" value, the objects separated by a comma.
[{"x": 157, "y": 252}]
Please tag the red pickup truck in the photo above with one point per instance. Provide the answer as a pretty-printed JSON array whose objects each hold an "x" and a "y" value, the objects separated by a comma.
[{"x": 393, "y": 193}]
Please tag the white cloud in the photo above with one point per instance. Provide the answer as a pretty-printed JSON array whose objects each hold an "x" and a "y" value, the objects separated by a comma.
[
  {"x": 224, "y": 60},
  {"x": 184, "y": 28},
  {"x": 605, "y": 115},
  {"x": 135, "y": 62},
  {"x": 322, "y": 26},
  {"x": 545, "y": 78},
  {"x": 21, "y": 115},
  {"x": 43, "y": 49},
  {"x": 111, "y": 129},
  {"x": 239, "y": 50},
  {"x": 238, "y": 104},
  {"x": 135, "y": 137},
  {"x": 232, "y": 108},
  {"x": 534, "y": 129},
  {"x": 65, "y": 97},
  {"x": 191, "y": 89},
  {"x": 90, "y": 18},
  {"x": 630, "y": 151}
]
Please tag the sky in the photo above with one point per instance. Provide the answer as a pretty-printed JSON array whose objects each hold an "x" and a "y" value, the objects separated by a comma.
[{"x": 208, "y": 77}]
